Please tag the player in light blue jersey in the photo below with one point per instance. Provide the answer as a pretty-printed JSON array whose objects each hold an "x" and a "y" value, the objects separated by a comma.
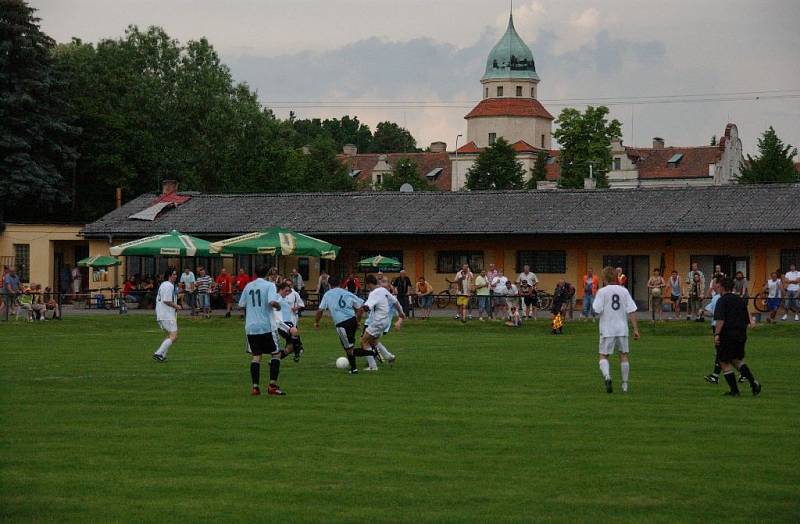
[
  {"x": 286, "y": 320},
  {"x": 345, "y": 310},
  {"x": 259, "y": 299}
]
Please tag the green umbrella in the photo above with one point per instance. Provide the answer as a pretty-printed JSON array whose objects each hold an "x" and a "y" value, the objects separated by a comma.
[
  {"x": 277, "y": 241},
  {"x": 380, "y": 262},
  {"x": 99, "y": 261},
  {"x": 170, "y": 244}
]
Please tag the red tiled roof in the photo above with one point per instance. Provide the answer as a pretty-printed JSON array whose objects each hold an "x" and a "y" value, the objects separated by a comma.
[
  {"x": 529, "y": 107},
  {"x": 522, "y": 146},
  {"x": 652, "y": 163},
  {"x": 469, "y": 147},
  {"x": 426, "y": 162}
]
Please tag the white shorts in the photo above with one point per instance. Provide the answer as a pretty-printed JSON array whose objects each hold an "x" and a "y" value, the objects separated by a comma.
[
  {"x": 170, "y": 326},
  {"x": 376, "y": 330},
  {"x": 607, "y": 345}
]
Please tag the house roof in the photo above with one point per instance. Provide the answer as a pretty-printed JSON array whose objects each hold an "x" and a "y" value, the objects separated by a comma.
[
  {"x": 426, "y": 162},
  {"x": 653, "y": 163},
  {"x": 524, "y": 107},
  {"x": 696, "y": 210}
]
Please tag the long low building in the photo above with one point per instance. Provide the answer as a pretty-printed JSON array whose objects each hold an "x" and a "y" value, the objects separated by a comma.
[{"x": 754, "y": 229}]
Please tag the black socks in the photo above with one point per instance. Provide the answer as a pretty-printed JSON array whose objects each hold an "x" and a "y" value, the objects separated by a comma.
[
  {"x": 730, "y": 378},
  {"x": 274, "y": 369},
  {"x": 352, "y": 360},
  {"x": 255, "y": 372},
  {"x": 746, "y": 373}
]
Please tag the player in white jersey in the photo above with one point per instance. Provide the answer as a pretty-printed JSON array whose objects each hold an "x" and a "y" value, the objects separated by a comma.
[
  {"x": 379, "y": 303},
  {"x": 614, "y": 305},
  {"x": 345, "y": 310},
  {"x": 382, "y": 351},
  {"x": 286, "y": 320},
  {"x": 260, "y": 298},
  {"x": 166, "y": 308}
]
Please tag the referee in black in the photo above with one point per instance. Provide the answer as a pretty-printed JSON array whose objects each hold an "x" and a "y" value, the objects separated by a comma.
[{"x": 730, "y": 337}]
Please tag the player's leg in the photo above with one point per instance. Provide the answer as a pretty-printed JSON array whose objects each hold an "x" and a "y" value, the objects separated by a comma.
[
  {"x": 274, "y": 365},
  {"x": 606, "y": 349},
  {"x": 347, "y": 336},
  {"x": 256, "y": 344},
  {"x": 171, "y": 327},
  {"x": 713, "y": 377},
  {"x": 384, "y": 352},
  {"x": 624, "y": 362},
  {"x": 743, "y": 368}
]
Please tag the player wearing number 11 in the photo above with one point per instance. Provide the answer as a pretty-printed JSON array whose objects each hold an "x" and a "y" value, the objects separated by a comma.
[
  {"x": 260, "y": 298},
  {"x": 614, "y": 305}
]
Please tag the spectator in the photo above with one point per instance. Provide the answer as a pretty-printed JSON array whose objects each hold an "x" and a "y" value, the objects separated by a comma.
[
  {"x": 696, "y": 297},
  {"x": 424, "y": 291},
  {"x": 77, "y": 282},
  {"x": 514, "y": 318},
  {"x": 187, "y": 285},
  {"x": 402, "y": 285},
  {"x": 590, "y": 285},
  {"x": 571, "y": 300},
  {"x": 527, "y": 282},
  {"x": 464, "y": 279},
  {"x": 774, "y": 290},
  {"x": 64, "y": 281},
  {"x": 622, "y": 279},
  {"x": 690, "y": 276},
  {"x": 51, "y": 303},
  {"x": 323, "y": 285},
  {"x": 25, "y": 301},
  {"x": 298, "y": 283},
  {"x": 497, "y": 287},
  {"x": 225, "y": 289},
  {"x": 353, "y": 284},
  {"x": 482, "y": 295},
  {"x": 741, "y": 287},
  {"x": 561, "y": 296},
  {"x": 203, "y": 285},
  {"x": 655, "y": 287},
  {"x": 512, "y": 296},
  {"x": 675, "y": 292},
  {"x": 792, "y": 281},
  {"x": 11, "y": 289},
  {"x": 39, "y": 307}
]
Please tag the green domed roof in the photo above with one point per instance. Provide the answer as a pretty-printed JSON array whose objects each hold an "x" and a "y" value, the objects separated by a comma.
[{"x": 510, "y": 57}]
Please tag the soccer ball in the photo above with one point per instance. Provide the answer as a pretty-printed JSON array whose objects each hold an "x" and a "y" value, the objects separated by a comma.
[{"x": 342, "y": 363}]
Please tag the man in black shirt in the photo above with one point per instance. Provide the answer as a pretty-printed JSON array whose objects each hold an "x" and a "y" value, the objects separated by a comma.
[
  {"x": 730, "y": 337},
  {"x": 403, "y": 286}
]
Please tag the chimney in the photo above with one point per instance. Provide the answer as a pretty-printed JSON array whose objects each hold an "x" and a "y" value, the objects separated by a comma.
[
  {"x": 438, "y": 147},
  {"x": 350, "y": 149},
  {"x": 119, "y": 197},
  {"x": 589, "y": 183},
  {"x": 658, "y": 142},
  {"x": 168, "y": 187}
]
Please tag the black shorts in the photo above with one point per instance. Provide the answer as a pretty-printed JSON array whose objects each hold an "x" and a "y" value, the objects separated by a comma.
[
  {"x": 347, "y": 332},
  {"x": 730, "y": 350},
  {"x": 285, "y": 335},
  {"x": 263, "y": 344},
  {"x": 531, "y": 300}
]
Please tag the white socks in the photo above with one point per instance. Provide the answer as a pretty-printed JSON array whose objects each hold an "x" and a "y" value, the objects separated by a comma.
[
  {"x": 164, "y": 347},
  {"x": 605, "y": 369},
  {"x": 371, "y": 362},
  {"x": 626, "y": 369},
  {"x": 385, "y": 353}
]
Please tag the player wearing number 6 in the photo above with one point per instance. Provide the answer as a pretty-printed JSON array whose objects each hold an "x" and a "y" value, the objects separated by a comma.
[
  {"x": 615, "y": 306},
  {"x": 260, "y": 298}
]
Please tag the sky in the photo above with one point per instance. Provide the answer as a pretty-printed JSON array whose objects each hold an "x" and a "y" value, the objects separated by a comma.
[{"x": 419, "y": 62}]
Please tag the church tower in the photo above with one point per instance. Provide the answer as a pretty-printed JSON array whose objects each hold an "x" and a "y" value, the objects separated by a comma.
[{"x": 509, "y": 107}]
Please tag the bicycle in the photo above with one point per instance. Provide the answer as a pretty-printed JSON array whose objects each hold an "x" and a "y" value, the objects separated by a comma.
[
  {"x": 448, "y": 296},
  {"x": 760, "y": 302}
]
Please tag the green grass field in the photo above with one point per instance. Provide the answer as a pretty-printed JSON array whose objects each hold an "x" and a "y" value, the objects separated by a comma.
[{"x": 474, "y": 423}]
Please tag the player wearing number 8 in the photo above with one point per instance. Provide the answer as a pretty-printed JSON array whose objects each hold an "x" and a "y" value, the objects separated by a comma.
[{"x": 615, "y": 307}]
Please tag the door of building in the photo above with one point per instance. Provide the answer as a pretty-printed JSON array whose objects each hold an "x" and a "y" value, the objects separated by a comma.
[{"x": 637, "y": 269}]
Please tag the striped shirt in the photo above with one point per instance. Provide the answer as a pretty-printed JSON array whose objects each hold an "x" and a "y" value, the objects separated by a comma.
[{"x": 203, "y": 284}]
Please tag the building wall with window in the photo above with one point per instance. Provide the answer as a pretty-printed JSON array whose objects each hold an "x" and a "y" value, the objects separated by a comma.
[{"x": 41, "y": 251}]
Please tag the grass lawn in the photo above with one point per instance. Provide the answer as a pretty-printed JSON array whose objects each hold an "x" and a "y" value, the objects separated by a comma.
[{"x": 474, "y": 423}]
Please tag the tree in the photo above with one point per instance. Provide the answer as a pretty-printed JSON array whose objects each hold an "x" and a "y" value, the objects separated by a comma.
[
  {"x": 775, "y": 163},
  {"x": 585, "y": 139},
  {"x": 36, "y": 157},
  {"x": 391, "y": 138},
  {"x": 496, "y": 168},
  {"x": 539, "y": 171},
  {"x": 406, "y": 171},
  {"x": 317, "y": 170},
  {"x": 713, "y": 140}
]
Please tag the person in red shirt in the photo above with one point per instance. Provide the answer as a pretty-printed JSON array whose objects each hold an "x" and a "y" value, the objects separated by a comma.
[
  {"x": 225, "y": 287},
  {"x": 622, "y": 279},
  {"x": 242, "y": 279}
]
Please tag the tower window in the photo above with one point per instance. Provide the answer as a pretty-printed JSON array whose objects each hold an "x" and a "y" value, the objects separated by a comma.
[
  {"x": 499, "y": 90},
  {"x": 486, "y": 92},
  {"x": 617, "y": 164},
  {"x": 519, "y": 90},
  {"x": 532, "y": 96},
  {"x": 492, "y": 138},
  {"x": 542, "y": 146}
]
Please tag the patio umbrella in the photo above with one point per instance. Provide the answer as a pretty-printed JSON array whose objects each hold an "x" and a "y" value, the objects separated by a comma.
[
  {"x": 99, "y": 261},
  {"x": 380, "y": 262},
  {"x": 277, "y": 241},
  {"x": 170, "y": 244}
]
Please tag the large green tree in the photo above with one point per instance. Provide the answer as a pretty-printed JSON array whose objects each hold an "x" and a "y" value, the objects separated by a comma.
[
  {"x": 496, "y": 168},
  {"x": 36, "y": 155},
  {"x": 539, "y": 171},
  {"x": 585, "y": 139},
  {"x": 774, "y": 163},
  {"x": 316, "y": 168},
  {"x": 391, "y": 138},
  {"x": 406, "y": 171}
]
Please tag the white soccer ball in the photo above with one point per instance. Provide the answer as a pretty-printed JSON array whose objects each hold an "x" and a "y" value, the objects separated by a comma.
[{"x": 342, "y": 363}]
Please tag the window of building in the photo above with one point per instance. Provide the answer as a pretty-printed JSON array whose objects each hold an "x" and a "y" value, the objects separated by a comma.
[
  {"x": 519, "y": 90},
  {"x": 532, "y": 93},
  {"x": 617, "y": 163},
  {"x": 22, "y": 259},
  {"x": 543, "y": 261},
  {"x": 499, "y": 90},
  {"x": 397, "y": 255},
  {"x": 542, "y": 143},
  {"x": 302, "y": 267},
  {"x": 451, "y": 261},
  {"x": 790, "y": 256},
  {"x": 378, "y": 179},
  {"x": 485, "y": 92},
  {"x": 492, "y": 138}
]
